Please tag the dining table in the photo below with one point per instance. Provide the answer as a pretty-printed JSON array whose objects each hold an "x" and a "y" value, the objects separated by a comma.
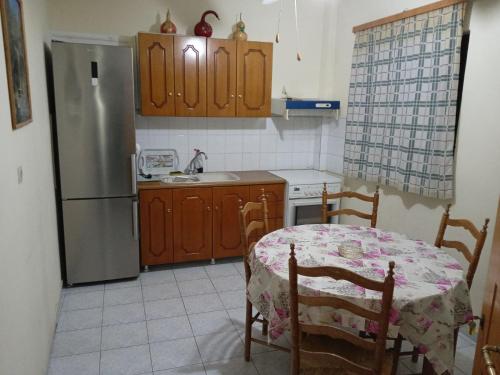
[{"x": 431, "y": 297}]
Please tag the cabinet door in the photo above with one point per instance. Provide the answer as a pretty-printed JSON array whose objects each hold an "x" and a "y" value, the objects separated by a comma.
[
  {"x": 192, "y": 224},
  {"x": 156, "y": 227},
  {"x": 190, "y": 76},
  {"x": 221, "y": 77},
  {"x": 275, "y": 198},
  {"x": 227, "y": 234},
  {"x": 254, "y": 79},
  {"x": 156, "y": 65}
]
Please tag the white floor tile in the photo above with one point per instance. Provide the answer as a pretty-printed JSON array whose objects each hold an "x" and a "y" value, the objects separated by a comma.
[
  {"x": 190, "y": 273},
  {"x": 231, "y": 367},
  {"x": 122, "y": 296},
  {"x": 79, "y": 319},
  {"x": 169, "y": 329},
  {"x": 195, "y": 287},
  {"x": 83, "y": 364},
  {"x": 229, "y": 283},
  {"x": 124, "y": 335},
  {"x": 221, "y": 270},
  {"x": 157, "y": 277},
  {"x": 210, "y": 322},
  {"x": 177, "y": 353},
  {"x": 160, "y": 291},
  {"x": 202, "y": 303},
  {"x": 165, "y": 308},
  {"x": 76, "y": 342},
  {"x": 233, "y": 299},
  {"x": 83, "y": 300},
  {"x": 216, "y": 347},
  {"x": 188, "y": 370},
  {"x": 126, "y": 361},
  {"x": 121, "y": 314}
]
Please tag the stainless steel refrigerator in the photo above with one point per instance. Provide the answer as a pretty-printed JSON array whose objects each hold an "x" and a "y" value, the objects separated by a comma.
[{"x": 94, "y": 106}]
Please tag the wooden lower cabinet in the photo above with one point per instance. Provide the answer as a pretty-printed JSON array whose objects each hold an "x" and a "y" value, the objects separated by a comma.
[
  {"x": 192, "y": 224},
  {"x": 200, "y": 223},
  {"x": 156, "y": 227},
  {"x": 227, "y": 235}
]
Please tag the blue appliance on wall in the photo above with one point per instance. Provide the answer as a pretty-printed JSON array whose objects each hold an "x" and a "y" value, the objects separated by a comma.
[{"x": 290, "y": 107}]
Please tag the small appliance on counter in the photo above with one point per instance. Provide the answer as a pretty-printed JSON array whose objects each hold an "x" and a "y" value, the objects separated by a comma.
[{"x": 158, "y": 162}]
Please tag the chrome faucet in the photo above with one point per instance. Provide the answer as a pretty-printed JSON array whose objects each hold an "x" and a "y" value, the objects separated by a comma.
[{"x": 196, "y": 162}]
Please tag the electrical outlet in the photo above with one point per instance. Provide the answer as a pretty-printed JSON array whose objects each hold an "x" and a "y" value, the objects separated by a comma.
[{"x": 19, "y": 175}]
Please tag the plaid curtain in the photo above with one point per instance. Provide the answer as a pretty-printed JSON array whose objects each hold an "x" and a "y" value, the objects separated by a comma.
[{"x": 401, "y": 113}]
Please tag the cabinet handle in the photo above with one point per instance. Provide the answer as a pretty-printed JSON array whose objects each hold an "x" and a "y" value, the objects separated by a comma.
[
  {"x": 170, "y": 94},
  {"x": 240, "y": 96},
  {"x": 178, "y": 94},
  {"x": 169, "y": 210},
  {"x": 240, "y": 201},
  {"x": 232, "y": 95},
  {"x": 209, "y": 208},
  {"x": 216, "y": 208}
]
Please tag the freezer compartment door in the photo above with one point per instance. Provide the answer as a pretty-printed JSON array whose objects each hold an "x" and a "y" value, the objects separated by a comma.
[
  {"x": 95, "y": 112},
  {"x": 101, "y": 239}
]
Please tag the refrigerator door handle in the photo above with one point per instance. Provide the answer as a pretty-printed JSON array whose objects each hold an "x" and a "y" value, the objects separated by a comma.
[
  {"x": 133, "y": 164},
  {"x": 135, "y": 220}
]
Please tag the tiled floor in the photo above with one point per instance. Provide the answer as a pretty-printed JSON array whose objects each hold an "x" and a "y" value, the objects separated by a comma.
[{"x": 185, "y": 320}]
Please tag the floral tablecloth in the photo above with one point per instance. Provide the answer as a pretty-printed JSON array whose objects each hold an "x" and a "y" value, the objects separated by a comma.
[{"x": 431, "y": 296}]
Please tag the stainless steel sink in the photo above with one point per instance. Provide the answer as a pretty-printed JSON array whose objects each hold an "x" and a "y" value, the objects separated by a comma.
[{"x": 201, "y": 177}]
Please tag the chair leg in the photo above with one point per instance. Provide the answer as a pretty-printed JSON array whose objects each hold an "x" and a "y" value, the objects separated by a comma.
[
  {"x": 265, "y": 326},
  {"x": 415, "y": 354},
  {"x": 248, "y": 330},
  {"x": 396, "y": 353}
]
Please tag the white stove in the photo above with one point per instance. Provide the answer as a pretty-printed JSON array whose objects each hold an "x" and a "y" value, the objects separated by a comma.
[{"x": 304, "y": 192}]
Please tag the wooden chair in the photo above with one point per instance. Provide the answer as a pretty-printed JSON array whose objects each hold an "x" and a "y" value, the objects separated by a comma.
[
  {"x": 374, "y": 200},
  {"x": 249, "y": 228},
  {"x": 471, "y": 257},
  {"x": 327, "y": 346},
  {"x": 480, "y": 236}
]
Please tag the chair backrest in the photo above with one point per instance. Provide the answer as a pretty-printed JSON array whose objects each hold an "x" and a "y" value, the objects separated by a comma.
[
  {"x": 479, "y": 236},
  {"x": 381, "y": 317},
  {"x": 250, "y": 227},
  {"x": 347, "y": 211}
]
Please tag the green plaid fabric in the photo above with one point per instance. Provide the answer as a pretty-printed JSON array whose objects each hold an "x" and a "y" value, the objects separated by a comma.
[{"x": 402, "y": 103}]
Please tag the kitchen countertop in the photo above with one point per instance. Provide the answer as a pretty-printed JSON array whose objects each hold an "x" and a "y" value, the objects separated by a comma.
[{"x": 246, "y": 178}]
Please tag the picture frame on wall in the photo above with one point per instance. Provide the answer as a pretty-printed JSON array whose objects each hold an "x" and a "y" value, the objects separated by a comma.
[{"x": 16, "y": 62}]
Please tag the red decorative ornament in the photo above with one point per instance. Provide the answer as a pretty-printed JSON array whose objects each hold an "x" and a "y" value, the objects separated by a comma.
[{"x": 203, "y": 28}]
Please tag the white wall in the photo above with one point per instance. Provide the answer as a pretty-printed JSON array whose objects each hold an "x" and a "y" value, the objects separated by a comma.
[
  {"x": 478, "y": 151},
  {"x": 29, "y": 267}
]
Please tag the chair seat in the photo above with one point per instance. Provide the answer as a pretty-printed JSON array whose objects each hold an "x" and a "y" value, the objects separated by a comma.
[{"x": 315, "y": 343}]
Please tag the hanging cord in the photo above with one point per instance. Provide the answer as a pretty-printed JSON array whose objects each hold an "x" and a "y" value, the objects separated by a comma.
[
  {"x": 299, "y": 57},
  {"x": 279, "y": 22}
]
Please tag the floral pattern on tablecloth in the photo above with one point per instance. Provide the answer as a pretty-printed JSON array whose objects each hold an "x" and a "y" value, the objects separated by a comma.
[{"x": 431, "y": 296}]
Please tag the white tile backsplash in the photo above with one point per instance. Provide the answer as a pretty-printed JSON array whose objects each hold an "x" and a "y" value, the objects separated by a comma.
[{"x": 248, "y": 144}]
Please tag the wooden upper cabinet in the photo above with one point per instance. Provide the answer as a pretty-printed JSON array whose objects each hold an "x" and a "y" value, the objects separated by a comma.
[
  {"x": 221, "y": 77},
  {"x": 156, "y": 65},
  {"x": 192, "y": 224},
  {"x": 227, "y": 202},
  {"x": 190, "y": 62},
  {"x": 156, "y": 227},
  {"x": 254, "y": 79}
]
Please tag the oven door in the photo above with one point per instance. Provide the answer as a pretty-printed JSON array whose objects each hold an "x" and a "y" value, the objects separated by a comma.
[{"x": 308, "y": 211}]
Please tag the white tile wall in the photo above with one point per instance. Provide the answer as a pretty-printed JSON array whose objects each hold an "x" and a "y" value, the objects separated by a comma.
[
  {"x": 332, "y": 145},
  {"x": 241, "y": 144}
]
